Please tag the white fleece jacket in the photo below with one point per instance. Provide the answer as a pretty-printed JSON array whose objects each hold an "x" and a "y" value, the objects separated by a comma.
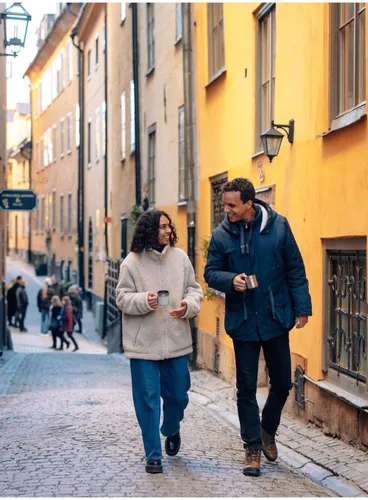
[{"x": 150, "y": 334}]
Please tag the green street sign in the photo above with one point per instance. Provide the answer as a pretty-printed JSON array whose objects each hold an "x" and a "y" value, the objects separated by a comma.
[{"x": 14, "y": 200}]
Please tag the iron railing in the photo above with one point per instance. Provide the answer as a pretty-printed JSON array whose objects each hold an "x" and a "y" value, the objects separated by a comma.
[
  {"x": 113, "y": 313},
  {"x": 347, "y": 323}
]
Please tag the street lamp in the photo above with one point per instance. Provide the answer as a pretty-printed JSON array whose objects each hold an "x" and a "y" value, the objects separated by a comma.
[
  {"x": 16, "y": 20},
  {"x": 272, "y": 138}
]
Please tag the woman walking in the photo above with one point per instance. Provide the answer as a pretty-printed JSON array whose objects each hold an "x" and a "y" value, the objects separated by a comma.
[
  {"x": 22, "y": 305},
  {"x": 55, "y": 323},
  {"x": 43, "y": 303},
  {"x": 157, "y": 338},
  {"x": 67, "y": 324}
]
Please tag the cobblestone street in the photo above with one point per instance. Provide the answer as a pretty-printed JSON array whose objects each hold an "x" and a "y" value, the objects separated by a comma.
[{"x": 68, "y": 428}]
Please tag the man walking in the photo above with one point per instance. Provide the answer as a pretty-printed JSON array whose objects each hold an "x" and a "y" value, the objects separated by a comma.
[{"x": 254, "y": 259}]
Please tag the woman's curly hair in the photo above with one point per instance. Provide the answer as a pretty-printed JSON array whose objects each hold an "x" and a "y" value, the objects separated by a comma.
[{"x": 146, "y": 232}]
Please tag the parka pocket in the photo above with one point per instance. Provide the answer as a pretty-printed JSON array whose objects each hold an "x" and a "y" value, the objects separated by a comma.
[
  {"x": 139, "y": 329},
  {"x": 282, "y": 308}
]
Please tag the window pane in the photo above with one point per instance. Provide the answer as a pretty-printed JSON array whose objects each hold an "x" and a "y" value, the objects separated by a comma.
[{"x": 361, "y": 64}]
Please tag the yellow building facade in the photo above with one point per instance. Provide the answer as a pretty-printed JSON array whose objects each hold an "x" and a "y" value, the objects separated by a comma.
[{"x": 254, "y": 65}]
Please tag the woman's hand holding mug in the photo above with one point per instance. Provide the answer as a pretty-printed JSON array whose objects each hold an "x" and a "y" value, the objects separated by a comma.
[{"x": 153, "y": 300}]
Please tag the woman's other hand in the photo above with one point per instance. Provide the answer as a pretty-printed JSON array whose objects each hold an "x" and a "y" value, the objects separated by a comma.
[{"x": 178, "y": 313}]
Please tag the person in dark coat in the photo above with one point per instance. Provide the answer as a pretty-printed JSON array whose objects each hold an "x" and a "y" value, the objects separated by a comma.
[
  {"x": 255, "y": 240},
  {"x": 22, "y": 305},
  {"x": 67, "y": 324},
  {"x": 55, "y": 322},
  {"x": 11, "y": 299},
  {"x": 75, "y": 294},
  {"x": 44, "y": 297},
  {"x": 58, "y": 287}
]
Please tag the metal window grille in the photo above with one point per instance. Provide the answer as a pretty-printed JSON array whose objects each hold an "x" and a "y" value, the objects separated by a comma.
[
  {"x": 113, "y": 312},
  {"x": 217, "y": 184},
  {"x": 90, "y": 254},
  {"x": 347, "y": 310}
]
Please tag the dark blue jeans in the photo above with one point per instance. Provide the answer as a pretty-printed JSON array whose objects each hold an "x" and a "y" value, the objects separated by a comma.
[
  {"x": 277, "y": 356},
  {"x": 168, "y": 379}
]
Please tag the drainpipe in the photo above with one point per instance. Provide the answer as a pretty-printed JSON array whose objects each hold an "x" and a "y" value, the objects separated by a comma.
[
  {"x": 189, "y": 147},
  {"x": 80, "y": 208},
  {"x": 138, "y": 197},
  {"x": 106, "y": 194}
]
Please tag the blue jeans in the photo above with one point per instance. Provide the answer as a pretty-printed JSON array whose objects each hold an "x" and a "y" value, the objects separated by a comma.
[
  {"x": 168, "y": 379},
  {"x": 277, "y": 356},
  {"x": 45, "y": 319}
]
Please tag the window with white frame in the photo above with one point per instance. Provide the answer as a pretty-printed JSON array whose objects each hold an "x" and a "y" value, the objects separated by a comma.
[
  {"x": 122, "y": 11},
  {"x": 132, "y": 117},
  {"x": 70, "y": 215},
  {"x": 69, "y": 133},
  {"x": 89, "y": 145},
  {"x": 152, "y": 164},
  {"x": 77, "y": 125},
  {"x": 97, "y": 50},
  {"x": 62, "y": 75},
  {"x": 37, "y": 156},
  {"x": 53, "y": 210},
  {"x": 182, "y": 180},
  {"x": 62, "y": 137},
  {"x": 62, "y": 215},
  {"x": 89, "y": 61},
  {"x": 54, "y": 89},
  {"x": 50, "y": 146},
  {"x": 103, "y": 133},
  {"x": 179, "y": 27},
  {"x": 150, "y": 9},
  {"x": 123, "y": 125},
  {"x": 98, "y": 134},
  {"x": 104, "y": 38},
  {"x": 348, "y": 64},
  {"x": 41, "y": 161},
  {"x": 266, "y": 80},
  {"x": 45, "y": 150},
  {"x": 54, "y": 143},
  {"x": 70, "y": 61},
  {"x": 43, "y": 213}
]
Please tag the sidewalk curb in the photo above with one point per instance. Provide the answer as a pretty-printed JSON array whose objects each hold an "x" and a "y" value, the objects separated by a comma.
[{"x": 292, "y": 459}]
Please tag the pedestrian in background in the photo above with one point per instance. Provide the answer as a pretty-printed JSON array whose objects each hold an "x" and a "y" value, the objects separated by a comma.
[
  {"x": 77, "y": 305},
  {"x": 157, "y": 338},
  {"x": 67, "y": 324},
  {"x": 22, "y": 305},
  {"x": 57, "y": 286},
  {"x": 11, "y": 300},
  {"x": 43, "y": 303},
  {"x": 55, "y": 322},
  {"x": 254, "y": 259}
]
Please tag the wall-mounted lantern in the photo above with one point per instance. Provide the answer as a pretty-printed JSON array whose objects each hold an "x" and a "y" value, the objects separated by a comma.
[
  {"x": 272, "y": 138},
  {"x": 16, "y": 20}
]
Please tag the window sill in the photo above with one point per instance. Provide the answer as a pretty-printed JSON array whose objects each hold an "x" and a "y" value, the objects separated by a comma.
[
  {"x": 150, "y": 71},
  {"x": 89, "y": 78},
  {"x": 132, "y": 152},
  {"x": 89, "y": 165},
  {"x": 123, "y": 158},
  {"x": 182, "y": 203},
  {"x": 61, "y": 235},
  {"x": 177, "y": 41},
  {"x": 259, "y": 153},
  {"x": 122, "y": 21},
  {"x": 97, "y": 66},
  {"x": 69, "y": 152},
  {"x": 356, "y": 401},
  {"x": 346, "y": 119},
  {"x": 70, "y": 236},
  {"x": 62, "y": 155},
  {"x": 216, "y": 76},
  {"x": 97, "y": 159}
]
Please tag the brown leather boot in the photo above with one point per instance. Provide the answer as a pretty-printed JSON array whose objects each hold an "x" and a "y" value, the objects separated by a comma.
[
  {"x": 269, "y": 446},
  {"x": 252, "y": 463}
]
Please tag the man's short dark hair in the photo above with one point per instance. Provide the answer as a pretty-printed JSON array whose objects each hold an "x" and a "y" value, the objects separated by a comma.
[
  {"x": 244, "y": 186},
  {"x": 19, "y": 278}
]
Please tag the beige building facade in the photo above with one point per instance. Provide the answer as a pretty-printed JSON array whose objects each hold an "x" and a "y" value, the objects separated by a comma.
[
  {"x": 55, "y": 140},
  {"x": 19, "y": 151}
]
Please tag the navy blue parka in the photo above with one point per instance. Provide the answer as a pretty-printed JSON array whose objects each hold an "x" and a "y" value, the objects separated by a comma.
[{"x": 267, "y": 248}]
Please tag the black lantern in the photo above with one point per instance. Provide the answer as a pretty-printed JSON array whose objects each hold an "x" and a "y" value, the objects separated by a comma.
[
  {"x": 272, "y": 138},
  {"x": 16, "y": 20}
]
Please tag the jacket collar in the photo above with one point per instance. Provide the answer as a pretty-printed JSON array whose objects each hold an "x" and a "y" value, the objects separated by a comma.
[{"x": 156, "y": 255}]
